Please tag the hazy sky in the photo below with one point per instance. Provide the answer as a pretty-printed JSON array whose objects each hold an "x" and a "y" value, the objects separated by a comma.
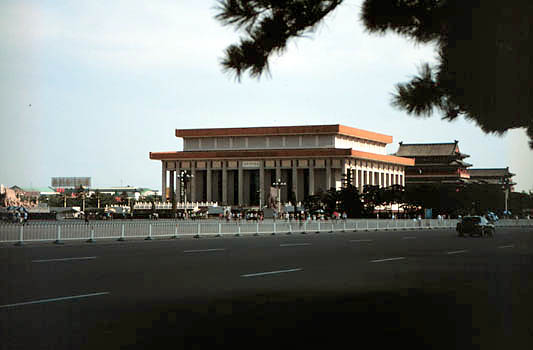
[{"x": 109, "y": 81}]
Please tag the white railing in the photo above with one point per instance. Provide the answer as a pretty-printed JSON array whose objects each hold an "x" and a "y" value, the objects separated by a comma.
[
  {"x": 59, "y": 232},
  {"x": 179, "y": 205}
]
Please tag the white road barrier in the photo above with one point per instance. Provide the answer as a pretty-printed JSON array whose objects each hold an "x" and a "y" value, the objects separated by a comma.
[{"x": 61, "y": 232}]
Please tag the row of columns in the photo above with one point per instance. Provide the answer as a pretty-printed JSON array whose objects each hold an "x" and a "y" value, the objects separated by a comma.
[
  {"x": 362, "y": 176},
  {"x": 384, "y": 179}
]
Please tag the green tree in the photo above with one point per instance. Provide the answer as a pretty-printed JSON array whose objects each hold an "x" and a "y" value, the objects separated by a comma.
[
  {"x": 350, "y": 202},
  {"x": 372, "y": 197},
  {"x": 331, "y": 199},
  {"x": 484, "y": 50},
  {"x": 314, "y": 202},
  {"x": 124, "y": 197}
]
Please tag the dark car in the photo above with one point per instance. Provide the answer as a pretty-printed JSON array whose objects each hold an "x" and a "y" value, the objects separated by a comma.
[{"x": 475, "y": 225}]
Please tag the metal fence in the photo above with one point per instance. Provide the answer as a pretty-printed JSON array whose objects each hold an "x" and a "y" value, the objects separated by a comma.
[{"x": 121, "y": 230}]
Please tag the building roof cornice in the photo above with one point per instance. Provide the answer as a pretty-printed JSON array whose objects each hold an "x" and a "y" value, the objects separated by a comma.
[
  {"x": 281, "y": 153},
  {"x": 334, "y": 129}
]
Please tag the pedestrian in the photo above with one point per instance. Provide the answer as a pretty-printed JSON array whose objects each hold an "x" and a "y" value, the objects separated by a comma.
[{"x": 86, "y": 219}]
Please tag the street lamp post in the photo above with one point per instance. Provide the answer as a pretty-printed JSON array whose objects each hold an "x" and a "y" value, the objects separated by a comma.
[
  {"x": 184, "y": 176},
  {"x": 505, "y": 187},
  {"x": 260, "y": 192},
  {"x": 278, "y": 185}
]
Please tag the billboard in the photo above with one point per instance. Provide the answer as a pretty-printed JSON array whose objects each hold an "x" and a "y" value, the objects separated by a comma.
[{"x": 71, "y": 182}]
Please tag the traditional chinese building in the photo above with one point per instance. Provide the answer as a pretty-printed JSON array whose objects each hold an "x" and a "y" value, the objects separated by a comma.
[
  {"x": 498, "y": 177},
  {"x": 238, "y": 166},
  {"x": 435, "y": 163}
]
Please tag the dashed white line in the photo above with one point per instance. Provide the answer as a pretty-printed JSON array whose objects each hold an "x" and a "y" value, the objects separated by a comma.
[
  {"x": 54, "y": 299},
  {"x": 361, "y": 240},
  {"x": 65, "y": 259},
  {"x": 409, "y": 237},
  {"x": 293, "y": 244},
  {"x": 507, "y": 246},
  {"x": 204, "y": 250},
  {"x": 388, "y": 259},
  {"x": 269, "y": 273},
  {"x": 457, "y": 251}
]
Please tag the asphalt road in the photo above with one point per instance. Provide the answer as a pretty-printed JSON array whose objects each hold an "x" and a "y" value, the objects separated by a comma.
[{"x": 420, "y": 289}]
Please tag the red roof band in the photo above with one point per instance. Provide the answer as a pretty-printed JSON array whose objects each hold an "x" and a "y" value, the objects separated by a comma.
[{"x": 293, "y": 153}]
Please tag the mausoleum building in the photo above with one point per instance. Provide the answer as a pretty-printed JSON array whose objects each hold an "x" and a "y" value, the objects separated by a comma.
[{"x": 238, "y": 166}]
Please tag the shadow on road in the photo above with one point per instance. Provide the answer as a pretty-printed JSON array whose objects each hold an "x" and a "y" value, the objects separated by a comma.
[{"x": 412, "y": 318}]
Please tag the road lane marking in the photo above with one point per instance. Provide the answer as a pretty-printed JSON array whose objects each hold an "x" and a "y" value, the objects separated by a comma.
[
  {"x": 507, "y": 246},
  {"x": 54, "y": 299},
  {"x": 457, "y": 251},
  {"x": 389, "y": 259},
  {"x": 409, "y": 237},
  {"x": 361, "y": 240},
  {"x": 204, "y": 250},
  {"x": 293, "y": 244},
  {"x": 65, "y": 259},
  {"x": 269, "y": 273}
]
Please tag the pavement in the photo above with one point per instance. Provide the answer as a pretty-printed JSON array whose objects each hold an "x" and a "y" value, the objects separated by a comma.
[{"x": 420, "y": 289}]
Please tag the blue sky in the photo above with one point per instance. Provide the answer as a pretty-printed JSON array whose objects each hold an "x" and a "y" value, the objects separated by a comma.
[{"x": 109, "y": 81}]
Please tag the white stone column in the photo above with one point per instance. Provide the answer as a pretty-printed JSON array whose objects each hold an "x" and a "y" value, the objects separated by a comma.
[
  {"x": 209, "y": 183},
  {"x": 172, "y": 187},
  {"x": 163, "y": 181},
  {"x": 241, "y": 184},
  {"x": 355, "y": 180},
  {"x": 328, "y": 174},
  {"x": 278, "y": 170},
  {"x": 193, "y": 182},
  {"x": 295, "y": 180},
  {"x": 178, "y": 184},
  {"x": 224, "y": 182},
  {"x": 311, "y": 177},
  {"x": 261, "y": 183}
]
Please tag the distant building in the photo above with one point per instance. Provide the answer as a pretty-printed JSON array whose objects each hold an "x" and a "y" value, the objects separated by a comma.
[
  {"x": 435, "y": 163},
  {"x": 131, "y": 192},
  {"x": 34, "y": 192},
  {"x": 499, "y": 177}
]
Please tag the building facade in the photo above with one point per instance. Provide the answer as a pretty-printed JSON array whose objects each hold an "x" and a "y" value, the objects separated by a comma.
[{"x": 238, "y": 166}]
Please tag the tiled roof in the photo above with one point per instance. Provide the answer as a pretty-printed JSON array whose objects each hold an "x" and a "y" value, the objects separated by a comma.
[
  {"x": 38, "y": 189},
  {"x": 428, "y": 149},
  {"x": 460, "y": 162},
  {"x": 494, "y": 172}
]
